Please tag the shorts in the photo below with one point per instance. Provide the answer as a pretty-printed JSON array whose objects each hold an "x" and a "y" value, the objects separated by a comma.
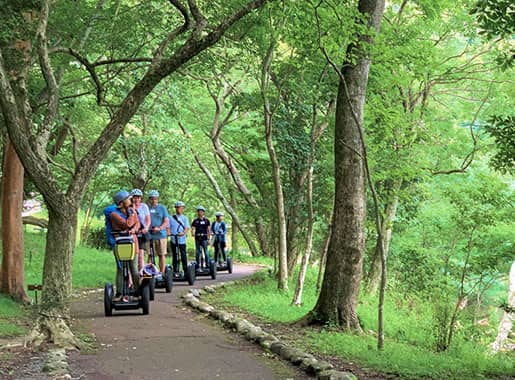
[{"x": 160, "y": 247}]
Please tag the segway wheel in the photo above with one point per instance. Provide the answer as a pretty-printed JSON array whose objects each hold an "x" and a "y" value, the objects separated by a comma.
[
  {"x": 168, "y": 280},
  {"x": 145, "y": 300},
  {"x": 108, "y": 300},
  {"x": 229, "y": 264},
  {"x": 190, "y": 275},
  {"x": 152, "y": 288},
  {"x": 212, "y": 269}
]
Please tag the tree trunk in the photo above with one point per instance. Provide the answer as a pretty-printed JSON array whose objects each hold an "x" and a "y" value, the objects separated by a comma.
[
  {"x": 374, "y": 274},
  {"x": 234, "y": 227},
  {"x": 52, "y": 324},
  {"x": 323, "y": 255},
  {"x": 12, "y": 270},
  {"x": 297, "y": 297},
  {"x": 338, "y": 298},
  {"x": 506, "y": 323},
  {"x": 282, "y": 253}
]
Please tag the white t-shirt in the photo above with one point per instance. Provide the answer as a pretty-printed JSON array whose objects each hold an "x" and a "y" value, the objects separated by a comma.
[{"x": 143, "y": 211}]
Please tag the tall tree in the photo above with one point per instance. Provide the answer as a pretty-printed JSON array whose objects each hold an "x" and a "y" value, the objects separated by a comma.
[
  {"x": 12, "y": 270},
  {"x": 176, "y": 48},
  {"x": 338, "y": 297}
]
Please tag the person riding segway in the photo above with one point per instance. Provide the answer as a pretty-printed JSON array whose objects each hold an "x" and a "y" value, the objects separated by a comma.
[
  {"x": 200, "y": 230},
  {"x": 219, "y": 232},
  {"x": 123, "y": 227},
  {"x": 179, "y": 226},
  {"x": 144, "y": 220}
]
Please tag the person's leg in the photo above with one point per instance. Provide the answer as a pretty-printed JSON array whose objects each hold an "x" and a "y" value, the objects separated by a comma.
[
  {"x": 119, "y": 278},
  {"x": 184, "y": 257},
  {"x": 197, "y": 252},
  {"x": 217, "y": 250},
  {"x": 175, "y": 257},
  {"x": 162, "y": 253},
  {"x": 222, "y": 247},
  {"x": 206, "y": 252}
]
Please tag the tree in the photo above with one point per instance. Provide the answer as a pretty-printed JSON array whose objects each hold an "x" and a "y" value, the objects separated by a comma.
[
  {"x": 191, "y": 37},
  {"x": 338, "y": 297},
  {"x": 12, "y": 270}
]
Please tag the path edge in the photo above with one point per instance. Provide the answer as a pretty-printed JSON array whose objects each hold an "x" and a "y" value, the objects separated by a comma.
[{"x": 308, "y": 363}]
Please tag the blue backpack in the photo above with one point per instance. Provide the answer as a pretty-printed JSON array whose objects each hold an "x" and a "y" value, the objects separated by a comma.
[{"x": 109, "y": 228}]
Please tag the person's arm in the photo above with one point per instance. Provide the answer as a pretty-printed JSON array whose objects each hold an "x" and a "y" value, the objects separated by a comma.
[
  {"x": 121, "y": 224},
  {"x": 193, "y": 228},
  {"x": 208, "y": 227},
  {"x": 186, "y": 225},
  {"x": 165, "y": 219}
]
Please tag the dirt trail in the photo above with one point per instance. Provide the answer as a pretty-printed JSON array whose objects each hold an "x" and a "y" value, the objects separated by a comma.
[{"x": 170, "y": 343}]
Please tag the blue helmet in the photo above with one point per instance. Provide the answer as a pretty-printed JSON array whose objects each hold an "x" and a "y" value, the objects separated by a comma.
[
  {"x": 120, "y": 196},
  {"x": 179, "y": 204},
  {"x": 137, "y": 193},
  {"x": 201, "y": 208},
  {"x": 153, "y": 194}
]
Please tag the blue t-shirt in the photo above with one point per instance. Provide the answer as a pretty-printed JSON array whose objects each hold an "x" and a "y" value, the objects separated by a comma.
[
  {"x": 219, "y": 229},
  {"x": 176, "y": 228},
  {"x": 158, "y": 214}
]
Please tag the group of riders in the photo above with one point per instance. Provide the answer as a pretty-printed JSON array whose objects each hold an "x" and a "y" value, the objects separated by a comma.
[{"x": 151, "y": 226}]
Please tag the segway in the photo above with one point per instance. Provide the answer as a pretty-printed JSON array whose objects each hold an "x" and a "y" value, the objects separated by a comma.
[
  {"x": 205, "y": 269},
  {"x": 125, "y": 250},
  {"x": 160, "y": 280},
  {"x": 226, "y": 263},
  {"x": 181, "y": 276}
]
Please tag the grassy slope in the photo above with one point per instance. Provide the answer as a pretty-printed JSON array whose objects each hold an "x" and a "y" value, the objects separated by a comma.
[
  {"x": 409, "y": 346},
  {"x": 91, "y": 269}
]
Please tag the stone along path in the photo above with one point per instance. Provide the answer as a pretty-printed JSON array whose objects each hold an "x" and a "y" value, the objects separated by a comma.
[{"x": 171, "y": 343}]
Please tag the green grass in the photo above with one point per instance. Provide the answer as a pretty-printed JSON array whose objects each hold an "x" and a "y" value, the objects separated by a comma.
[
  {"x": 11, "y": 314},
  {"x": 91, "y": 269},
  {"x": 408, "y": 329}
]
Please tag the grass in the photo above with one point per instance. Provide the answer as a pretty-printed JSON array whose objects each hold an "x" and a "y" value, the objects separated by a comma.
[
  {"x": 91, "y": 269},
  {"x": 11, "y": 314},
  {"x": 409, "y": 344}
]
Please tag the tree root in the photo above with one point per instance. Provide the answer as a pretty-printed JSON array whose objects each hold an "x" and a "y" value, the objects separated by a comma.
[{"x": 49, "y": 329}]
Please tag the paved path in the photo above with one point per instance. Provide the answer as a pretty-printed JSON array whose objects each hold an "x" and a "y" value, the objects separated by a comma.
[{"x": 172, "y": 342}]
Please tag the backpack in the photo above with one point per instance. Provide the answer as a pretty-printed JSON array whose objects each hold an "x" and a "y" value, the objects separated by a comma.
[{"x": 110, "y": 239}]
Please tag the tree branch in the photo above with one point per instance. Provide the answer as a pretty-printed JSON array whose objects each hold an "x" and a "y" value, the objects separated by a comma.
[{"x": 51, "y": 82}]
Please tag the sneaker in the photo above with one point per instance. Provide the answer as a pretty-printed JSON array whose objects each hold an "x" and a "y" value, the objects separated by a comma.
[{"x": 125, "y": 299}]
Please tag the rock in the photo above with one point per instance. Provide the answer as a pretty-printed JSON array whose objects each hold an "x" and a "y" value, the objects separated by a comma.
[
  {"x": 216, "y": 314},
  {"x": 209, "y": 289},
  {"x": 242, "y": 325},
  {"x": 297, "y": 359},
  {"x": 255, "y": 332},
  {"x": 195, "y": 292},
  {"x": 276, "y": 347},
  {"x": 268, "y": 341},
  {"x": 226, "y": 318},
  {"x": 309, "y": 365},
  {"x": 322, "y": 366},
  {"x": 287, "y": 353},
  {"x": 204, "y": 307},
  {"x": 56, "y": 363},
  {"x": 335, "y": 375}
]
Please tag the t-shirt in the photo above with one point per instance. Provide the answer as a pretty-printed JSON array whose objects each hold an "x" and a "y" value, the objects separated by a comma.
[
  {"x": 219, "y": 229},
  {"x": 201, "y": 225},
  {"x": 143, "y": 211},
  {"x": 158, "y": 215},
  {"x": 176, "y": 228}
]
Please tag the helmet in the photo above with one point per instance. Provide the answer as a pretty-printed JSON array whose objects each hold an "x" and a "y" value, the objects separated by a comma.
[
  {"x": 179, "y": 204},
  {"x": 137, "y": 193},
  {"x": 219, "y": 213},
  {"x": 200, "y": 208},
  {"x": 120, "y": 196},
  {"x": 153, "y": 194}
]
